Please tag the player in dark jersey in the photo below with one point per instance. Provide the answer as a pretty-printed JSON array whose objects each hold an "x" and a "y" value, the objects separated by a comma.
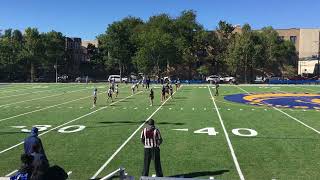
[
  {"x": 217, "y": 89},
  {"x": 109, "y": 93},
  {"x": 116, "y": 90},
  {"x": 95, "y": 94},
  {"x": 171, "y": 90},
  {"x": 167, "y": 90},
  {"x": 151, "y": 96},
  {"x": 163, "y": 93}
]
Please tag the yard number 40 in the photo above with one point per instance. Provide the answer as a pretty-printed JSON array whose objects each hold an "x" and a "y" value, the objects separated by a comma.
[{"x": 244, "y": 132}]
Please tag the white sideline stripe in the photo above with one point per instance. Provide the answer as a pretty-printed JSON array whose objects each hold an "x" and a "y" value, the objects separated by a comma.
[
  {"x": 12, "y": 173},
  {"x": 41, "y": 97},
  {"x": 76, "y": 119},
  {"x": 235, "y": 160},
  {"x": 129, "y": 138},
  {"x": 33, "y": 92},
  {"x": 304, "y": 124}
]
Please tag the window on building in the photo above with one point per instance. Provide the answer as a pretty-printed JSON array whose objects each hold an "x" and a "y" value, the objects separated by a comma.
[{"x": 293, "y": 39}]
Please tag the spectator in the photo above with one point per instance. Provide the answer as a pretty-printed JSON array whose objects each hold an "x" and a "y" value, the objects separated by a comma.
[
  {"x": 26, "y": 169},
  {"x": 32, "y": 140},
  {"x": 40, "y": 163},
  {"x": 151, "y": 139}
]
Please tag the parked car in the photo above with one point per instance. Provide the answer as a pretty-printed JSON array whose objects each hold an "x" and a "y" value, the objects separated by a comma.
[
  {"x": 259, "y": 80},
  {"x": 213, "y": 78},
  {"x": 228, "y": 79},
  {"x": 116, "y": 78}
]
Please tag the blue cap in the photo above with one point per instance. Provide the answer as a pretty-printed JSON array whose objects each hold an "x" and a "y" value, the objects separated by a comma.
[{"x": 34, "y": 131}]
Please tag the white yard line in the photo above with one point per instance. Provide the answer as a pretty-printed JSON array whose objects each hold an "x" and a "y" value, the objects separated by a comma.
[
  {"x": 48, "y": 107},
  {"x": 11, "y": 173},
  {"x": 126, "y": 141},
  {"x": 37, "y": 110},
  {"x": 288, "y": 115},
  {"x": 233, "y": 154},
  {"x": 42, "y": 97},
  {"x": 33, "y": 92},
  {"x": 76, "y": 119},
  {"x": 304, "y": 124}
]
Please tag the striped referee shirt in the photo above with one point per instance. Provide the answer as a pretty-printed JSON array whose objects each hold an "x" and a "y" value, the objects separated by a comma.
[{"x": 151, "y": 137}]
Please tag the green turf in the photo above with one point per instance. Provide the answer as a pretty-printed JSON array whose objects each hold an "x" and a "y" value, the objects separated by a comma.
[{"x": 283, "y": 148}]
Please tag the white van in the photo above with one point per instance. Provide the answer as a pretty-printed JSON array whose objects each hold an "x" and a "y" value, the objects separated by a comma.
[{"x": 116, "y": 78}]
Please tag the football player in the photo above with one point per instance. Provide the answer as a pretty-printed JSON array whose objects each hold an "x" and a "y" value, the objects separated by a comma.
[{"x": 109, "y": 93}]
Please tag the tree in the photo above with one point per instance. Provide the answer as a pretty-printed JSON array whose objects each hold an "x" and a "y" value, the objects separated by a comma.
[
  {"x": 10, "y": 48},
  {"x": 189, "y": 39},
  {"x": 117, "y": 45},
  {"x": 54, "y": 51},
  {"x": 32, "y": 50},
  {"x": 157, "y": 53},
  {"x": 226, "y": 37}
]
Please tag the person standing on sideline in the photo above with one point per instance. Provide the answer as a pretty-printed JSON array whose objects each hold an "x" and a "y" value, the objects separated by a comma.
[
  {"x": 151, "y": 139},
  {"x": 151, "y": 96},
  {"x": 217, "y": 89},
  {"x": 33, "y": 140},
  {"x": 95, "y": 95}
]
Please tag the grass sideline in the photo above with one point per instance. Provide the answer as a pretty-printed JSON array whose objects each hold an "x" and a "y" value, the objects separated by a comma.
[{"x": 282, "y": 149}]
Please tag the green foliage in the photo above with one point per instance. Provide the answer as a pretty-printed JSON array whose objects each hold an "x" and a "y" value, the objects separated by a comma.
[
  {"x": 117, "y": 46},
  {"x": 161, "y": 46}
]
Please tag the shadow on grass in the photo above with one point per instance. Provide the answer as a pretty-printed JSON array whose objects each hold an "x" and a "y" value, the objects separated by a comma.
[
  {"x": 202, "y": 173},
  {"x": 137, "y": 122}
]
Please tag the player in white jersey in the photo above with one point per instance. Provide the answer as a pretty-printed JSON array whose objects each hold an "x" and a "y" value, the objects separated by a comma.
[
  {"x": 95, "y": 94},
  {"x": 109, "y": 93}
]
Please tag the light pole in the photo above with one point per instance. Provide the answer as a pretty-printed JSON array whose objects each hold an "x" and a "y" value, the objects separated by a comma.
[{"x": 56, "y": 68}]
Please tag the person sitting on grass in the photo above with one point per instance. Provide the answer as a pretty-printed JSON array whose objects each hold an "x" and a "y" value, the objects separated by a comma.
[
  {"x": 40, "y": 164},
  {"x": 26, "y": 168}
]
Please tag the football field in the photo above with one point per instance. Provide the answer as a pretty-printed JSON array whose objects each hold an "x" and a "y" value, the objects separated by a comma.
[{"x": 266, "y": 136}]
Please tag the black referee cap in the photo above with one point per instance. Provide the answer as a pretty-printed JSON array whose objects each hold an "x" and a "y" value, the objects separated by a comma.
[{"x": 151, "y": 122}]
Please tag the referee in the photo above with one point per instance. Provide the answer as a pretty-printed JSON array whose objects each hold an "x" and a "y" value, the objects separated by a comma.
[{"x": 151, "y": 139}]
